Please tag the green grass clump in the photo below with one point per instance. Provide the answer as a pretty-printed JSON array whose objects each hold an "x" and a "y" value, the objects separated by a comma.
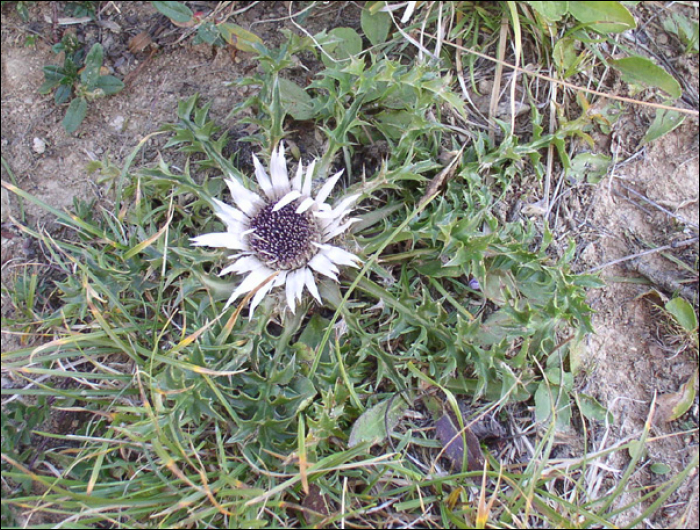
[{"x": 198, "y": 417}]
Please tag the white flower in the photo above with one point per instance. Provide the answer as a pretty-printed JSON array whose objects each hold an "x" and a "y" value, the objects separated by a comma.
[{"x": 285, "y": 230}]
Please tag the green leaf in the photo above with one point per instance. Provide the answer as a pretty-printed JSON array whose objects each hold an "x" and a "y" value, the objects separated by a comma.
[
  {"x": 295, "y": 101},
  {"x": 543, "y": 406},
  {"x": 684, "y": 314},
  {"x": 343, "y": 43},
  {"x": 642, "y": 71},
  {"x": 590, "y": 166},
  {"x": 175, "y": 11},
  {"x": 577, "y": 353},
  {"x": 498, "y": 286},
  {"x": 109, "y": 84},
  {"x": 592, "y": 409},
  {"x": 209, "y": 33},
  {"x": 48, "y": 85},
  {"x": 372, "y": 425},
  {"x": 75, "y": 114},
  {"x": 22, "y": 11},
  {"x": 376, "y": 26},
  {"x": 664, "y": 122},
  {"x": 588, "y": 281},
  {"x": 685, "y": 29},
  {"x": 62, "y": 94},
  {"x": 637, "y": 449},
  {"x": 551, "y": 11},
  {"x": 394, "y": 124},
  {"x": 660, "y": 468},
  {"x": 603, "y": 17},
  {"x": 53, "y": 75},
  {"x": 238, "y": 37},
  {"x": 93, "y": 63},
  {"x": 565, "y": 55},
  {"x": 560, "y": 378}
]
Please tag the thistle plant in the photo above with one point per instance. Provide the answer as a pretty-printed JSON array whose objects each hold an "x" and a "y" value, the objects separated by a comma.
[{"x": 283, "y": 235}]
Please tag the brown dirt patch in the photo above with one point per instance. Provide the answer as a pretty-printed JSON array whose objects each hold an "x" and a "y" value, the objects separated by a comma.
[{"x": 631, "y": 362}]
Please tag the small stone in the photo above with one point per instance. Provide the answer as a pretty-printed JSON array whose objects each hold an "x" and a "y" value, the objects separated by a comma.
[
  {"x": 117, "y": 123},
  {"x": 38, "y": 146}
]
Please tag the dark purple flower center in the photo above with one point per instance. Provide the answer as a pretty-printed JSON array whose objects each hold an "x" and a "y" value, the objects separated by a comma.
[{"x": 284, "y": 239}]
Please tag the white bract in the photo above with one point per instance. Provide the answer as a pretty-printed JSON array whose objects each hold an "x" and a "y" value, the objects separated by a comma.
[{"x": 284, "y": 230}]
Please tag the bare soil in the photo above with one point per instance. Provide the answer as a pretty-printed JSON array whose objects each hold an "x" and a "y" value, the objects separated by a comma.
[{"x": 630, "y": 361}]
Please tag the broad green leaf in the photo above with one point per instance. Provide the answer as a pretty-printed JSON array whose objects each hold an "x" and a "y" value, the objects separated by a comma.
[
  {"x": 375, "y": 25},
  {"x": 238, "y": 37},
  {"x": 664, "y": 122},
  {"x": 62, "y": 94},
  {"x": 636, "y": 449},
  {"x": 603, "y": 17},
  {"x": 175, "y": 11},
  {"x": 565, "y": 55},
  {"x": 684, "y": 314},
  {"x": 93, "y": 63},
  {"x": 577, "y": 353},
  {"x": 343, "y": 43},
  {"x": 109, "y": 84},
  {"x": 53, "y": 75},
  {"x": 560, "y": 378},
  {"x": 590, "y": 166},
  {"x": 660, "y": 468},
  {"x": 209, "y": 33},
  {"x": 642, "y": 71},
  {"x": 588, "y": 281},
  {"x": 543, "y": 406},
  {"x": 372, "y": 425},
  {"x": 551, "y": 11},
  {"x": 75, "y": 114},
  {"x": 543, "y": 403},
  {"x": 295, "y": 101},
  {"x": 592, "y": 409}
]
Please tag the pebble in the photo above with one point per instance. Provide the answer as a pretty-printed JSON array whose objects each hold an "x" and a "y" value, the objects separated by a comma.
[
  {"x": 38, "y": 146},
  {"x": 118, "y": 123}
]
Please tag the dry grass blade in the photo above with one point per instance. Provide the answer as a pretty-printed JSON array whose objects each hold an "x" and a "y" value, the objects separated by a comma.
[{"x": 572, "y": 86}]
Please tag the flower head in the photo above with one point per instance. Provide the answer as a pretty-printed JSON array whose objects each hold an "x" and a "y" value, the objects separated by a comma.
[{"x": 283, "y": 230}]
